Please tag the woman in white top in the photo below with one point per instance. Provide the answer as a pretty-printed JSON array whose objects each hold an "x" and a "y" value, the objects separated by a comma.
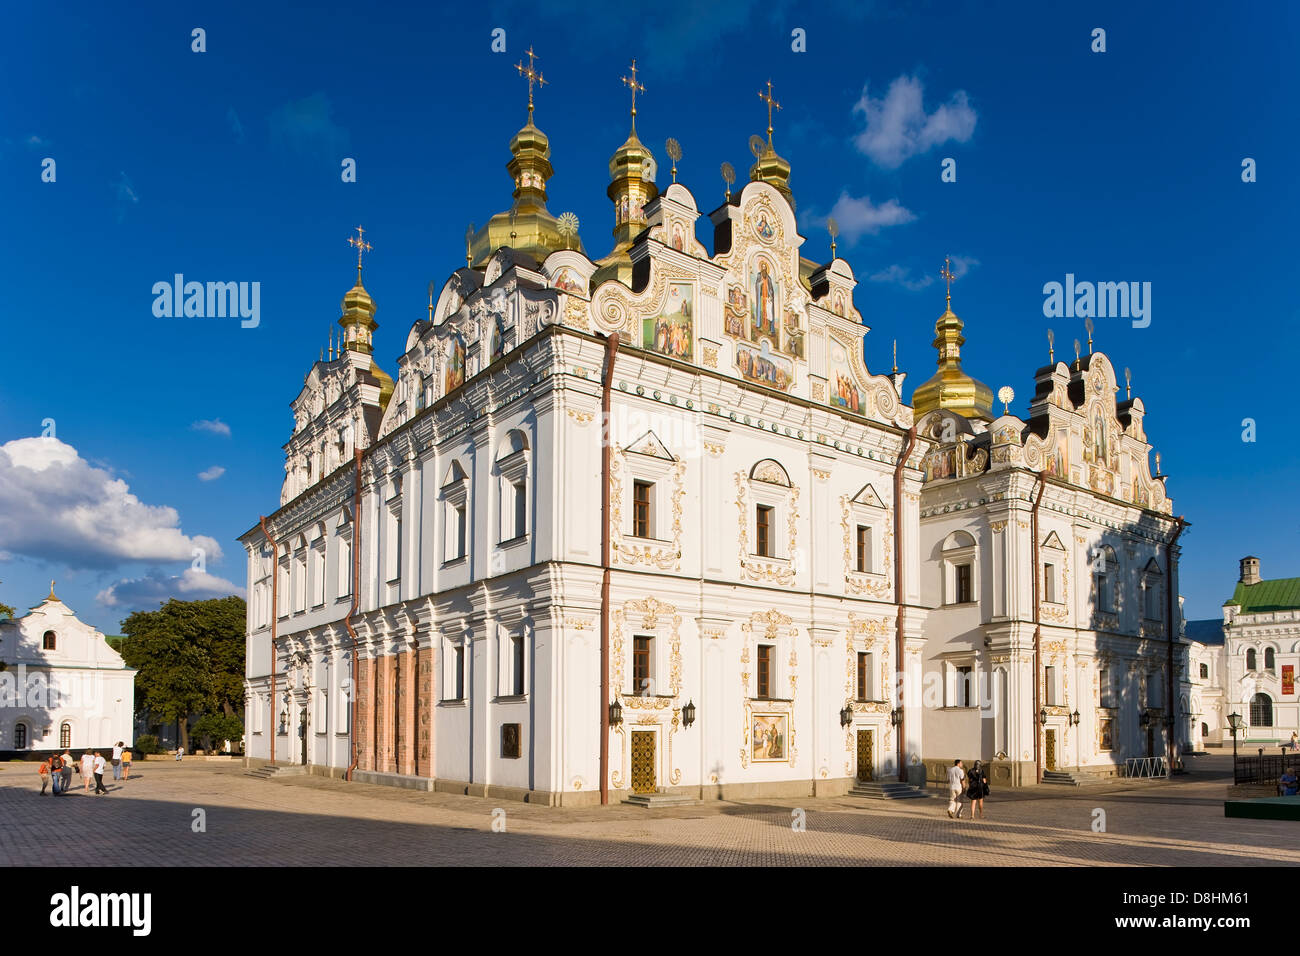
[{"x": 87, "y": 769}]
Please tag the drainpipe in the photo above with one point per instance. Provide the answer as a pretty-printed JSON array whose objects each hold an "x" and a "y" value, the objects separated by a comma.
[
  {"x": 1171, "y": 624},
  {"x": 352, "y": 608},
  {"x": 898, "y": 593},
  {"x": 275, "y": 616},
  {"x": 611, "y": 349},
  {"x": 1038, "y": 632}
]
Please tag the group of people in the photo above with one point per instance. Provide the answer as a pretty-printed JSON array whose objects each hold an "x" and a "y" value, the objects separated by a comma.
[
  {"x": 56, "y": 772},
  {"x": 973, "y": 785}
]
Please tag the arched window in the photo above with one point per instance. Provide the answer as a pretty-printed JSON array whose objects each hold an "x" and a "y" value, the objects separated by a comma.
[
  {"x": 1205, "y": 729},
  {"x": 960, "y": 585},
  {"x": 1250, "y": 659},
  {"x": 1268, "y": 658},
  {"x": 49, "y": 641},
  {"x": 20, "y": 736},
  {"x": 65, "y": 735},
  {"x": 1205, "y": 672},
  {"x": 1261, "y": 711}
]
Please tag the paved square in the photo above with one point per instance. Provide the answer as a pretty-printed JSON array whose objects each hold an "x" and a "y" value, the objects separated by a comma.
[{"x": 314, "y": 821}]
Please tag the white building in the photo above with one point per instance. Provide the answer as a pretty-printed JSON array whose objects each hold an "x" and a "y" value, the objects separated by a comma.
[
  {"x": 63, "y": 685},
  {"x": 1261, "y": 626},
  {"x": 438, "y": 602},
  {"x": 1207, "y": 674}
]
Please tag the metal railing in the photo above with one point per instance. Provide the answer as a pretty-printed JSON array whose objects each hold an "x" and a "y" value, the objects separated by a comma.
[
  {"x": 1146, "y": 767},
  {"x": 1264, "y": 768}
]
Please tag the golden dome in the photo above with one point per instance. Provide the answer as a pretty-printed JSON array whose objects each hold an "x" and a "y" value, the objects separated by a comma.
[
  {"x": 950, "y": 387},
  {"x": 358, "y": 319},
  {"x": 528, "y": 226},
  {"x": 774, "y": 170}
]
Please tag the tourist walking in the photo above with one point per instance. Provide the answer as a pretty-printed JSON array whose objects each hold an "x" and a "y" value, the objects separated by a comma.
[
  {"x": 44, "y": 771},
  {"x": 977, "y": 788},
  {"x": 956, "y": 774},
  {"x": 68, "y": 764},
  {"x": 87, "y": 769},
  {"x": 126, "y": 765},
  {"x": 117, "y": 760},
  {"x": 100, "y": 766},
  {"x": 1295, "y": 742},
  {"x": 56, "y": 774}
]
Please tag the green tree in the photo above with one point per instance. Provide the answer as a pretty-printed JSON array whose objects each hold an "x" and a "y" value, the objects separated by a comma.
[
  {"x": 190, "y": 658},
  {"x": 215, "y": 729}
]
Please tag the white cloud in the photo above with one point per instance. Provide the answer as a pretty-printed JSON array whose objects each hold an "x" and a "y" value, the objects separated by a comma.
[
  {"x": 306, "y": 127},
  {"x": 857, "y": 217},
  {"x": 212, "y": 474},
  {"x": 56, "y": 506},
  {"x": 156, "y": 588},
  {"x": 898, "y": 127},
  {"x": 914, "y": 282},
  {"x": 216, "y": 426}
]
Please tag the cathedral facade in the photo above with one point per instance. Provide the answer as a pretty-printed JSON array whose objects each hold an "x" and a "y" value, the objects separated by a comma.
[{"x": 648, "y": 523}]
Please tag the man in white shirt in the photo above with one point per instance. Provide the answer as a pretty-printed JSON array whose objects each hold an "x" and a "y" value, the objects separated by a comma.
[
  {"x": 100, "y": 764},
  {"x": 956, "y": 778},
  {"x": 117, "y": 760}
]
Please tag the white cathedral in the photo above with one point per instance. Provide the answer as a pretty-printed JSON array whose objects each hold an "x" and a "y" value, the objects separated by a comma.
[{"x": 648, "y": 524}]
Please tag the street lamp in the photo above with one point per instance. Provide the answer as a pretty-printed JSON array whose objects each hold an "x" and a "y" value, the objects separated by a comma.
[
  {"x": 1235, "y": 724},
  {"x": 688, "y": 713},
  {"x": 1145, "y": 719},
  {"x": 896, "y": 716},
  {"x": 846, "y": 715},
  {"x": 615, "y": 713},
  {"x": 1042, "y": 716},
  {"x": 1074, "y": 719}
]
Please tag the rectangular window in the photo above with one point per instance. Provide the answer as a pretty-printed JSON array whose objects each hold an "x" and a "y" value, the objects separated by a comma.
[
  {"x": 1103, "y": 595},
  {"x": 864, "y": 676},
  {"x": 345, "y": 562},
  {"x": 300, "y": 581},
  {"x": 765, "y": 670},
  {"x": 393, "y": 544},
  {"x": 460, "y": 672},
  {"x": 454, "y": 533},
  {"x": 641, "y": 525},
  {"x": 517, "y": 652},
  {"x": 318, "y": 575},
  {"x": 864, "y": 548},
  {"x": 521, "y": 508},
  {"x": 641, "y": 661},
  {"x": 1049, "y": 685},
  {"x": 964, "y": 696},
  {"x": 1049, "y": 583},
  {"x": 1105, "y": 689},
  {"x": 965, "y": 593},
  {"x": 763, "y": 537}
]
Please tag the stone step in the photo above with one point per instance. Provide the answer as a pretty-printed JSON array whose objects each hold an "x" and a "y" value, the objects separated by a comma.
[
  {"x": 279, "y": 770},
  {"x": 1073, "y": 779},
  {"x": 887, "y": 791},
  {"x": 654, "y": 800}
]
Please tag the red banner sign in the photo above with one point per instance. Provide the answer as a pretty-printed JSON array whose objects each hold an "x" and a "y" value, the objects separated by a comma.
[{"x": 1288, "y": 679}]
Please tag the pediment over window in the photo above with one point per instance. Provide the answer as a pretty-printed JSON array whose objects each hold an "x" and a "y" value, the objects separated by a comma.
[
  {"x": 770, "y": 471},
  {"x": 454, "y": 474},
  {"x": 1153, "y": 567},
  {"x": 1053, "y": 541},
  {"x": 867, "y": 496},
  {"x": 650, "y": 444}
]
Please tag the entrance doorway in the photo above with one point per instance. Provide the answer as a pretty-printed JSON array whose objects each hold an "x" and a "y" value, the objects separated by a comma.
[
  {"x": 1051, "y": 750},
  {"x": 302, "y": 732},
  {"x": 865, "y": 754},
  {"x": 643, "y": 761}
]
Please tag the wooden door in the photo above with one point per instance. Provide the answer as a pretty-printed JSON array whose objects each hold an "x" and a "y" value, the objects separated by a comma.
[
  {"x": 866, "y": 757},
  {"x": 1051, "y": 750},
  {"x": 643, "y": 761}
]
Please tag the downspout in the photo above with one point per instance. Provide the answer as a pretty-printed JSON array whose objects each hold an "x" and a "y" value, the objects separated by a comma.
[
  {"x": 611, "y": 349},
  {"x": 275, "y": 615},
  {"x": 1038, "y": 633},
  {"x": 1171, "y": 624},
  {"x": 352, "y": 608},
  {"x": 898, "y": 593}
]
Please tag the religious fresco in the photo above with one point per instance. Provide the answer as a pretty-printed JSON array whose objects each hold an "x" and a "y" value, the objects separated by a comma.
[
  {"x": 1058, "y": 462},
  {"x": 844, "y": 392},
  {"x": 837, "y": 302},
  {"x": 762, "y": 366},
  {"x": 764, "y": 289},
  {"x": 733, "y": 319},
  {"x": 672, "y": 331},
  {"x": 498, "y": 339},
  {"x": 454, "y": 374},
  {"x": 766, "y": 231},
  {"x": 793, "y": 335},
  {"x": 679, "y": 237},
  {"x": 566, "y": 280},
  {"x": 940, "y": 463},
  {"x": 770, "y": 733}
]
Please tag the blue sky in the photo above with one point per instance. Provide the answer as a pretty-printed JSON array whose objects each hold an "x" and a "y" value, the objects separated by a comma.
[{"x": 225, "y": 165}]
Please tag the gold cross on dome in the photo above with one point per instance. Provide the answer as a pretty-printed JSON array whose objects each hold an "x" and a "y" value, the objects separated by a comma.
[
  {"x": 533, "y": 76},
  {"x": 636, "y": 88},
  {"x": 361, "y": 246},
  {"x": 771, "y": 104},
  {"x": 946, "y": 273}
]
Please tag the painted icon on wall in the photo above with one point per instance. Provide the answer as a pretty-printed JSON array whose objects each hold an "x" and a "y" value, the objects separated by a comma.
[
  {"x": 672, "y": 331},
  {"x": 770, "y": 735},
  {"x": 764, "y": 289},
  {"x": 454, "y": 376}
]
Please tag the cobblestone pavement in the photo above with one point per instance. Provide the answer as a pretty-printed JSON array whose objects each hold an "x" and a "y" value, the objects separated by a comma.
[{"x": 315, "y": 821}]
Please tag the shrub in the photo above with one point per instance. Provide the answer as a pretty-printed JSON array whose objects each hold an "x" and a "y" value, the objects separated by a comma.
[{"x": 147, "y": 744}]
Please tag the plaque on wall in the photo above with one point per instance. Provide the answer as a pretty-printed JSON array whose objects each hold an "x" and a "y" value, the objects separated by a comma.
[{"x": 509, "y": 740}]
